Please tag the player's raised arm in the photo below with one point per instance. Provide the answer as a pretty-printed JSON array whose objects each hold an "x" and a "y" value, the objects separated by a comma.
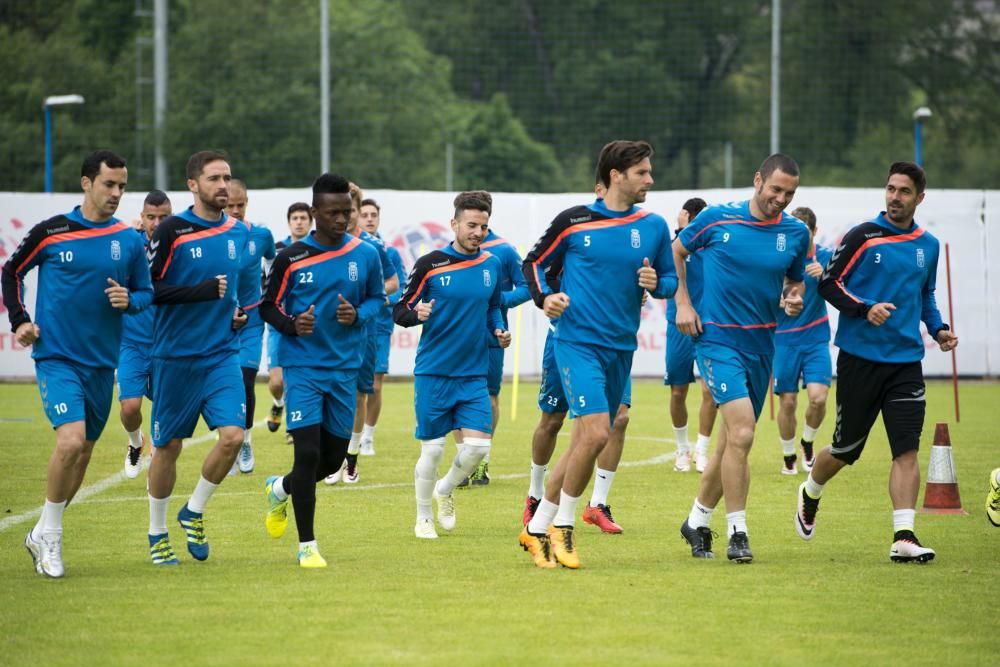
[{"x": 404, "y": 313}]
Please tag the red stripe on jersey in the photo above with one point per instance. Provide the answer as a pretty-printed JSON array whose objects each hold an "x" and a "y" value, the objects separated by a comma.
[
  {"x": 74, "y": 236},
  {"x": 766, "y": 325},
  {"x": 445, "y": 269},
  {"x": 315, "y": 259},
  {"x": 825, "y": 318},
  {"x": 197, "y": 236},
  {"x": 752, "y": 223},
  {"x": 846, "y": 293},
  {"x": 899, "y": 238}
]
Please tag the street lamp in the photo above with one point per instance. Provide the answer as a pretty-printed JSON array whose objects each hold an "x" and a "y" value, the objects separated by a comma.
[
  {"x": 918, "y": 141},
  {"x": 53, "y": 101}
]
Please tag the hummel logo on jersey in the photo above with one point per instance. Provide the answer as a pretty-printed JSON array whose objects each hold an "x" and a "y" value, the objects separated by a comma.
[
  {"x": 920, "y": 257},
  {"x": 56, "y": 230},
  {"x": 582, "y": 218},
  {"x": 352, "y": 271},
  {"x": 434, "y": 265},
  {"x": 636, "y": 241},
  {"x": 301, "y": 255},
  {"x": 186, "y": 230},
  {"x": 116, "y": 250},
  {"x": 487, "y": 278},
  {"x": 780, "y": 244},
  {"x": 872, "y": 234},
  {"x": 232, "y": 249}
]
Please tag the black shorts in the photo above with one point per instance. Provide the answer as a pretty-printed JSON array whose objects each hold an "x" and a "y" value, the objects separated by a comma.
[{"x": 865, "y": 388}]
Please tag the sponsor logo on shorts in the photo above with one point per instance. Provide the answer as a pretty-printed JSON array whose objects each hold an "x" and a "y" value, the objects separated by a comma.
[
  {"x": 780, "y": 245},
  {"x": 156, "y": 430},
  {"x": 352, "y": 271},
  {"x": 920, "y": 257},
  {"x": 116, "y": 251},
  {"x": 232, "y": 249},
  {"x": 634, "y": 237}
]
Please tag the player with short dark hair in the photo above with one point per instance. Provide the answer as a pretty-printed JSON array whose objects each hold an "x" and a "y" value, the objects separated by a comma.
[
  {"x": 320, "y": 293},
  {"x": 135, "y": 361},
  {"x": 752, "y": 253},
  {"x": 882, "y": 279},
  {"x": 195, "y": 260},
  {"x": 92, "y": 270},
  {"x": 680, "y": 357},
  {"x": 454, "y": 295},
  {"x": 611, "y": 252},
  {"x": 260, "y": 247},
  {"x": 802, "y": 352}
]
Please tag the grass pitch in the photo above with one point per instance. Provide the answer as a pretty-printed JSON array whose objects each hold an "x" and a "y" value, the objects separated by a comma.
[{"x": 473, "y": 597}]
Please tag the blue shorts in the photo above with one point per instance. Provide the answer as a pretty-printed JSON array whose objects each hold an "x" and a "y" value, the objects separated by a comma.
[
  {"x": 810, "y": 362},
  {"x": 551, "y": 397},
  {"x": 593, "y": 377},
  {"x": 251, "y": 339},
  {"x": 320, "y": 396},
  {"x": 731, "y": 374},
  {"x": 366, "y": 373},
  {"x": 74, "y": 392},
  {"x": 494, "y": 376},
  {"x": 444, "y": 404},
  {"x": 382, "y": 344},
  {"x": 135, "y": 370},
  {"x": 186, "y": 387},
  {"x": 680, "y": 358},
  {"x": 273, "y": 336}
]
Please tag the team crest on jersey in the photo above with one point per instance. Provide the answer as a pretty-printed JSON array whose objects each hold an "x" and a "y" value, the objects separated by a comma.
[
  {"x": 920, "y": 257},
  {"x": 116, "y": 251},
  {"x": 780, "y": 245},
  {"x": 487, "y": 278},
  {"x": 252, "y": 247},
  {"x": 636, "y": 241},
  {"x": 232, "y": 249},
  {"x": 352, "y": 271}
]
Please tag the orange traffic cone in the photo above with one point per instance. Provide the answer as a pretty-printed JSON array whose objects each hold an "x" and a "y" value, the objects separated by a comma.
[{"x": 941, "y": 492}]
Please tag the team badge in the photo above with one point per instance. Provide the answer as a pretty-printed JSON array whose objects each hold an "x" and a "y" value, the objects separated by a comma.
[
  {"x": 636, "y": 241},
  {"x": 780, "y": 245},
  {"x": 920, "y": 257},
  {"x": 252, "y": 247},
  {"x": 487, "y": 278},
  {"x": 116, "y": 251},
  {"x": 232, "y": 249},
  {"x": 352, "y": 271}
]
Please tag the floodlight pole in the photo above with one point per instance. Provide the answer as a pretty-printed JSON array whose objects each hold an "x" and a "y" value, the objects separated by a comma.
[
  {"x": 53, "y": 101},
  {"x": 324, "y": 85},
  {"x": 918, "y": 135},
  {"x": 775, "y": 75},
  {"x": 160, "y": 80}
]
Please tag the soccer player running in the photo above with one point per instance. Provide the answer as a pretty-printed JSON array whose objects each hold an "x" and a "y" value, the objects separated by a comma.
[
  {"x": 611, "y": 251},
  {"x": 92, "y": 270},
  {"x": 680, "y": 359},
  {"x": 371, "y": 218},
  {"x": 752, "y": 253},
  {"x": 251, "y": 337},
  {"x": 135, "y": 360},
  {"x": 299, "y": 224},
  {"x": 320, "y": 294},
  {"x": 195, "y": 260},
  {"x": 882, "y": 279},
  {"x": 454, "y": 294},
  {"x": 802, "y": 351}
]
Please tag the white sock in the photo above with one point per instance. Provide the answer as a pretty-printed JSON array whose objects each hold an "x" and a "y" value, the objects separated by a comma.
[
  {"x": 487, "y": 457},
  {"x": 278, "y": 490},
  {"x": 703, "y": 442},
  {"x": 602, "y": 485},
  {"x": 700, "y": 515},
  {"x": 247, "y": 437},
  {"x": 681, "y": 434},
  {"x": 279, "y": 402},
  {"x": 158, "y": 515},
  {"x": 737, "y": 522},
  {"x": 546, "y": 512},
  {"x": 202, "y": 492},
  {"x": 368, "y": 432},
  {"x": 51, "y": 519},
  {"x": 424, "y": 475},
  {"x": 354, "y": 446},
  {"x": 310, "y": 543},
  {"x": 903, "y": 520},
  {"x": 787, "y": 446},
  {"x": 566, "y": 516},
  {"x": 468, "y": 457},
  {"x": 537, "y": 488},
  {"x": 809, "y": 433},
  {"x": 813, "y": 488},
  {"x": 135, "y": 438}
]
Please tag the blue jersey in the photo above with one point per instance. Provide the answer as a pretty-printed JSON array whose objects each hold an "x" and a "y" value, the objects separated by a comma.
[
  {"x": 309, "y": 273},
  {"x": 454, "y": 341},
  {"x": 260, "y": 245},
  {"x": 137, "y": 329},
  {"x": 514, "y": 290},
  {"x": 695, "y": 284},
  {"x": 388, "y": 270},
  {"x": 385, "y": 324},
  {"x": 75, "y": 257},
  {"x": 812, "y": 325},
  {"x": 878, "y": 263},
  {"x": 187, "y": 252},
  {"x": 600, "y": 252},
  {"x": 744, "y": 264}
]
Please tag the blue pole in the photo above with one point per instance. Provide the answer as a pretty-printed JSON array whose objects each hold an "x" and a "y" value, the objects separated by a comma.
[
  {"x": 918, "y": 148},
  {"x": 48, "y": 148}
]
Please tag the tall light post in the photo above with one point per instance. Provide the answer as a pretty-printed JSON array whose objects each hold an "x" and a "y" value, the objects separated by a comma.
[
  {"x": 918, "y": 138},
  {"x": 53, "y": 101}
]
